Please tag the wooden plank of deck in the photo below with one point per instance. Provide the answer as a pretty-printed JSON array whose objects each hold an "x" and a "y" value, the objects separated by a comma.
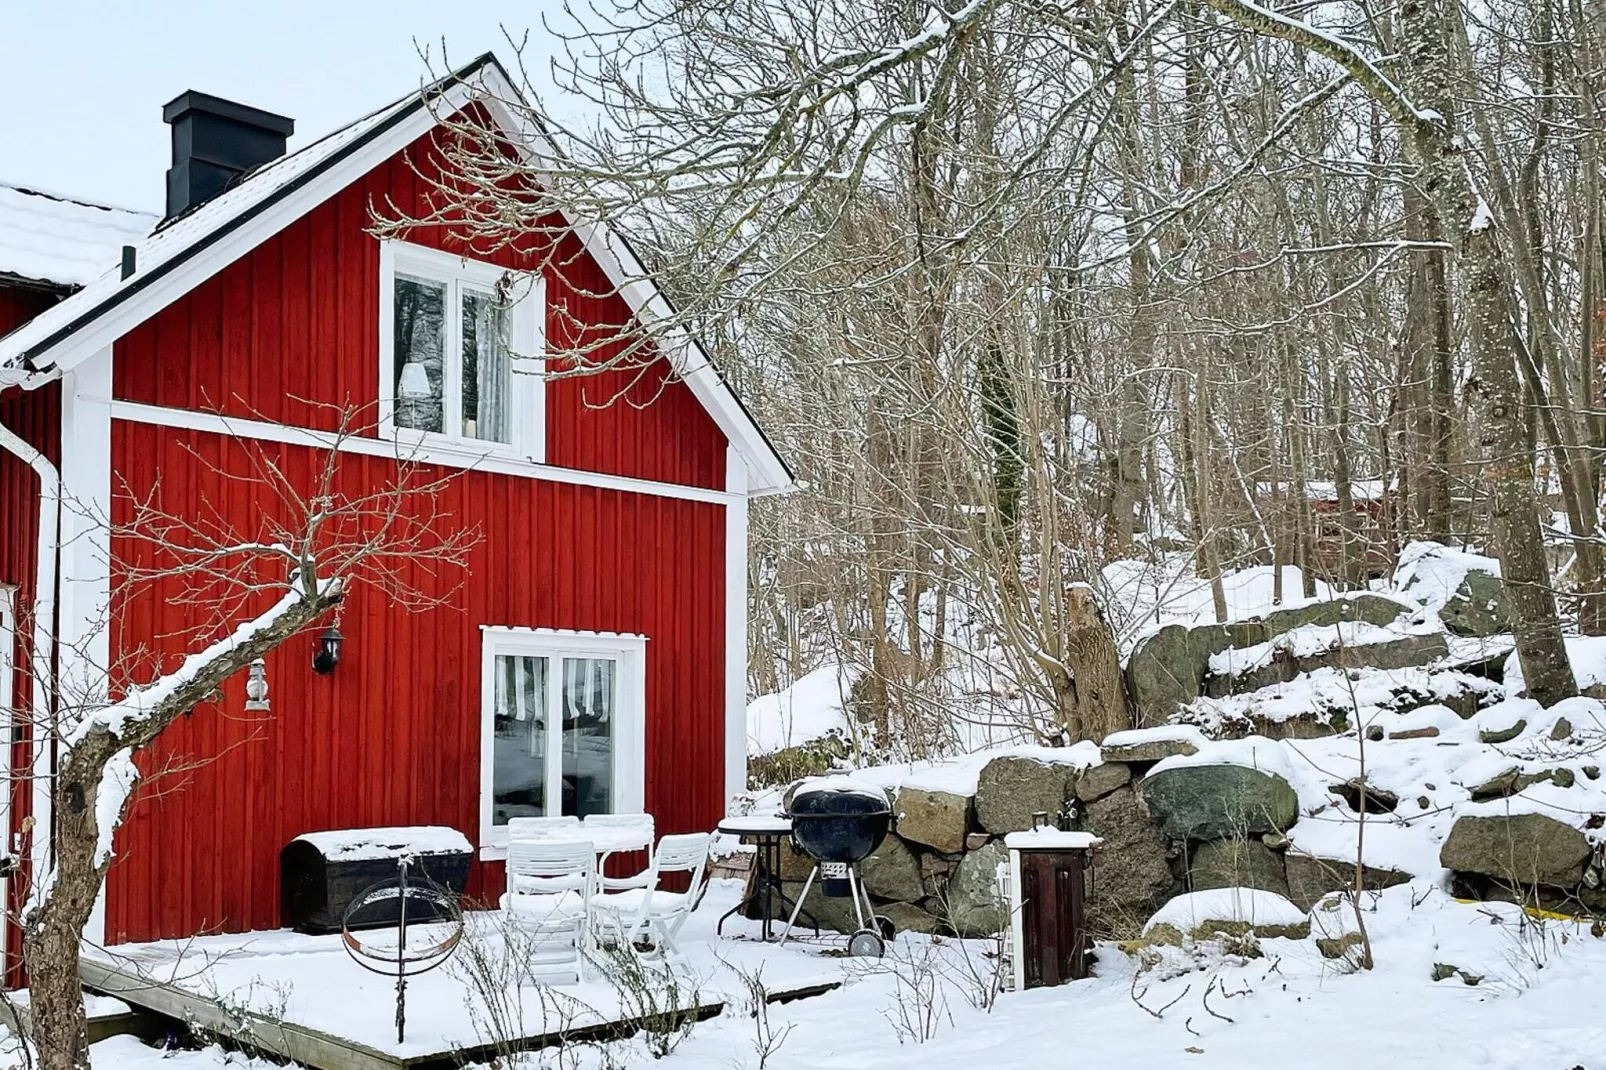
[{"x": 325, "y": 1051}]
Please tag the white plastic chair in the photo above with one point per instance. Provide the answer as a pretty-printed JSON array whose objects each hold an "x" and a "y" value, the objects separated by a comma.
[
  {"x": 549, "y": 894},
  {"x": 651, "y": 910},
  {"x": 641, "y": 823},
  {"x": 536, "y": 828}
]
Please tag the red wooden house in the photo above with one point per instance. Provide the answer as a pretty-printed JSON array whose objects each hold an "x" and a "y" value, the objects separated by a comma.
[{"x": 139, "y": 352}]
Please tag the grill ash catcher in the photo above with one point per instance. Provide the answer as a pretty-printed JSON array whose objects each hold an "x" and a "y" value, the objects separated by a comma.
[{"x": 839, "y": 823}]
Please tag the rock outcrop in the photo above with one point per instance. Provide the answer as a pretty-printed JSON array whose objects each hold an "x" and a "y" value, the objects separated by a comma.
[
  {"x": 1218, "y": 802},
  {"x": 1012, "y": 788},
  {"x": 1519, "y": 849}
]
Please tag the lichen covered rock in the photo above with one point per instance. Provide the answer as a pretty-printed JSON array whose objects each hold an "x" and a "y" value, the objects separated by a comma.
[{"x": 1218, "y": 802}]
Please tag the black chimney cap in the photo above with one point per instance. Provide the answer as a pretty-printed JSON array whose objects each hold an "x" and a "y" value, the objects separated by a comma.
[
  {"x": 215, "y": 141},
  {"x": 194, "y": 100}
]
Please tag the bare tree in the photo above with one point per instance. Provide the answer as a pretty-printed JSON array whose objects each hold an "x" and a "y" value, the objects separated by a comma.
[{"x": 250, "y": 589}]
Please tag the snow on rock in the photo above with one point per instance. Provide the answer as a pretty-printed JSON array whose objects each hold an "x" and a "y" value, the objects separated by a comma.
[
  {"x": 1265, "y": 912},
  {"x": 1253, "y": 752},
  {"x": 351, "y": 845},
  {"x": 1145, "y": 594},
  {"x": 1307, "y": 641},
  {"x": 815, "y": 706},
  {"x": 959, "y": 775},
  {"x": 1430, "y": 573}
]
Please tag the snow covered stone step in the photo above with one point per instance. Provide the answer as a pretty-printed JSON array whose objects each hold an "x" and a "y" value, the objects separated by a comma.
[{"x": 1227, "y": 912}]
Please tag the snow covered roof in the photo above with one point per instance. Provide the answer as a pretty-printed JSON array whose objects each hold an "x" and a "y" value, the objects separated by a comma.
[{"x": 49, "y": 238}]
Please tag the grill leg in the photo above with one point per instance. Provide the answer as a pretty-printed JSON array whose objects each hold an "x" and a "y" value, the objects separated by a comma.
[
  {"x": 854, "y": 891},
  {"x": 801, "y": 896}
]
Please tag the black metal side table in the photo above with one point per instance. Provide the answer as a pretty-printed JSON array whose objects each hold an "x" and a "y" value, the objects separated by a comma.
[{"x": 764, "y": 891}]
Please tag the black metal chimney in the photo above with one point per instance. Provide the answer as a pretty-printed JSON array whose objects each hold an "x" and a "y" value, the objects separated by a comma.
[{"x": 215, "y": 141}]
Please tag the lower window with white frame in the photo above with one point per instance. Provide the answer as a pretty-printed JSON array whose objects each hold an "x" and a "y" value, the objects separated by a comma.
[{"x": 564, "y": 724}]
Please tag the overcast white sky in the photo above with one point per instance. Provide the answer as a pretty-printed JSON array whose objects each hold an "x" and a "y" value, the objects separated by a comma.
[{"x": 88, "y": 78}]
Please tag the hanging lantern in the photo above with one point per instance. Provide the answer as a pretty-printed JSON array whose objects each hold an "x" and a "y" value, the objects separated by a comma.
[
  {"x": 256, "y": 687},
  {"x": 327, "y": 655}
]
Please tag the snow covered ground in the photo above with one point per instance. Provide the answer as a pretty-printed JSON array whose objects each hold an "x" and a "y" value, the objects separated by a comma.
[{"x": 1538, "y": 1005}]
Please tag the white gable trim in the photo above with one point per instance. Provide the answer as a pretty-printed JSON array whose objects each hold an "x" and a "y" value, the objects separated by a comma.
[{"x": 767, "y": 473}]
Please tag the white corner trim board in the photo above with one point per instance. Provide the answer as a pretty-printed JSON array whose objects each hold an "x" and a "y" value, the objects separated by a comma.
[
  {"x": 735, "y": 625},
  {"x": 497, "y": 461}
]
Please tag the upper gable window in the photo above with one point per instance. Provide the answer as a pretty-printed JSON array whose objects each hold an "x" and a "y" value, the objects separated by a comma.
[{"x": 460, "y": 351}]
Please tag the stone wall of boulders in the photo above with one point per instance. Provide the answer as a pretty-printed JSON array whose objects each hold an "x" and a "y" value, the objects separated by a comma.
[{"x": 1186, "y": 828}]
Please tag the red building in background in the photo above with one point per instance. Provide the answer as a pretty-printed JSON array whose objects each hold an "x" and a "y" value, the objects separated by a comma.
[{"x": 147, "y": 357}]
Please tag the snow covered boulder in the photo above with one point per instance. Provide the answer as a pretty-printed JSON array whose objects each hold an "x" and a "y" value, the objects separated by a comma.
[
  {"x": 938, "y": 819},
  {"x": 1520, "y": 849},
  {"x": 1227, "y": 912},
  {"x": 1463, "y": 588},
  {"x": 1197, "y": 801},
  {"x": 1011, "y": 788}
]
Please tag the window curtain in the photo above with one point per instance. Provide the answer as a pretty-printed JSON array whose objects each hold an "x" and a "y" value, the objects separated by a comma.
[{"x": 494, "y": 368}]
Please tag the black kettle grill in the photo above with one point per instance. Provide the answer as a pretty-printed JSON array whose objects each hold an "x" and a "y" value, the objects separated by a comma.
[{"x": 839, "y": 824}]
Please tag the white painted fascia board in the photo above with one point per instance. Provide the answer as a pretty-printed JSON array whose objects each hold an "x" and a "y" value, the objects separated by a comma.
[{"x": 459, "y": 455}]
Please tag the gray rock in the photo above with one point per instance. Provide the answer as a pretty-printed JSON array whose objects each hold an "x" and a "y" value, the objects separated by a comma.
[
  {"x": 1503, "y": 735},
  {"x": 938, "y": 819},
  {"x": 1237, "y": 863},
  {"x": 1150, "y": 750},
  {"x": 909, "y": 918},
  {"x": 1168, "y": 668},
  {"x": 1561, "y": 729},
  {"x": 1100, "y": 780},
  {"x": 1011, "y": 789},
  {"x": 893, "y": 872},
  {"x": 1375, "y": 609},
  {"x": 1134, "y": 875},
  {"x": 1522, "y": 849},
  {"x": 973, "y": 906},
  {"x": 1478, "y": 606},
  {"x": 1218, "y": 802},
  {"x": 975, "y": 841},
  {"x": 1161, "y": 675},
  {"x": 1310, "y": 878}
]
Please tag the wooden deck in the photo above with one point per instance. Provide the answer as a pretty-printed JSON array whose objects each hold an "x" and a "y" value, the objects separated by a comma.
[
  {"x": 319, "y": 1050},
  {"x": 300, "y": 998}
]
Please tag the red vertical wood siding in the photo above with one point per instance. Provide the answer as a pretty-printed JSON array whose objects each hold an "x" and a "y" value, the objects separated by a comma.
[
  {"x": 392, "y": 736},
  {"x": 290, "y": 333},
  {"x": 35, "y": 416}
]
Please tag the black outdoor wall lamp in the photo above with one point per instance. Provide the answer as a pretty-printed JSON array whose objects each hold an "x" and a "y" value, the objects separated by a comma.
[{"x": 328, "y": 653}]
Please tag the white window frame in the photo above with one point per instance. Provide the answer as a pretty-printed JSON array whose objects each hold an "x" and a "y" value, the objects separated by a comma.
[
  {"x": 527, "y": 341},
  {"x": 630, "y": 717}
]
